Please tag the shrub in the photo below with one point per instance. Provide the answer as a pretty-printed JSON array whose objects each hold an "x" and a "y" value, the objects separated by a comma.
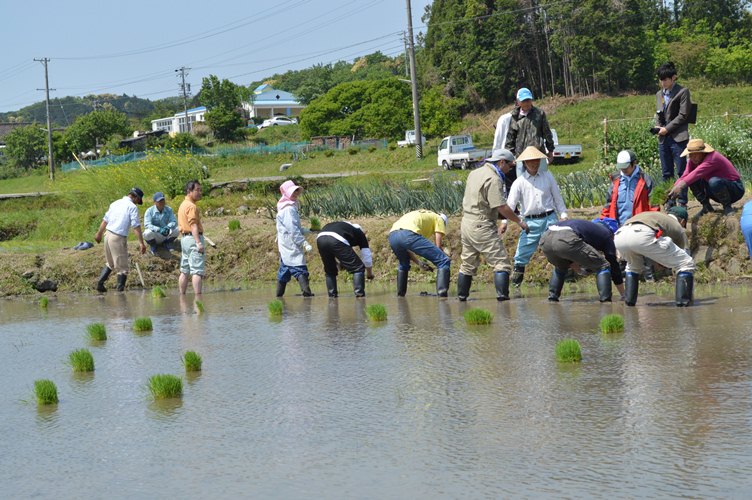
[
  {"x": 371, "y": 149},
  {"x": 352, "y": 151},
  {"x": 328, "y": 153},
  {"x": 157, "y": 292},
  {"x": 165, "y": 386},
  {"x": 276, "y": 307},
  {"x": 46, "y": 392},
  {"x": 612, "y": 323},
  {"x": 392, "y": 147},
  {"x": 97, "y": 331},
  {"x": 82, "y": 360},
  {"x": 478, "y": 316},
  {"x": 568, "y": 351},
  {"x": 142, "y": 324},
  {"x": 233, "y": 225},
  {"x": 192, "y": 361},
  {"x": 376, "y": 312}
]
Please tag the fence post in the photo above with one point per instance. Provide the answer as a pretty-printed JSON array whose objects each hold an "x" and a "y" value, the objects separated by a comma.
[{"x": 605, "y": 137}]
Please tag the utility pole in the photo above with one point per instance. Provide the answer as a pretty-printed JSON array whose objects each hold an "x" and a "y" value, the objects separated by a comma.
[
  {"x": 407, "y": 67},
  {"x": 414, "y": 81},
  {"x": 186, "y": 90},
  {"x": 50, "y": 159}
]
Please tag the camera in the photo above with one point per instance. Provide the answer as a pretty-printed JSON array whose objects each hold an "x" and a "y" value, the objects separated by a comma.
[{"x": 655, "y": 130}]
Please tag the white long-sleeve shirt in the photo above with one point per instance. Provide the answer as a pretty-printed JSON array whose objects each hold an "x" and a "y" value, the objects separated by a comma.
[{"x": 536, "y": 194}]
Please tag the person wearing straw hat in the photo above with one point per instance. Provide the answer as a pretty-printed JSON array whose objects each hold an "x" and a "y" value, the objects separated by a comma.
[
  {"x": 529, "y": 127},
  {"x": 482, "y": 204},
  {"x": 540, "y": 200},
  {"x": 660, "y": 237},
  {"x": 120, "y": 217},
  {"x": 583, "y": 246},
  {"x": 409, "y": 236},
  {"x": 710, "y": 176}
]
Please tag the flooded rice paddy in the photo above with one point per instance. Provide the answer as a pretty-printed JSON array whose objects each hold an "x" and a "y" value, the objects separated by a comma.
[{"x": 324, "y": 403}]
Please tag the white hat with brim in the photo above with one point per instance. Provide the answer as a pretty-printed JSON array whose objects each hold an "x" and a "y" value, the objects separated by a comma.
[
  {"x": 697, "y": 146},
  {"x": 531, "y": 153}
]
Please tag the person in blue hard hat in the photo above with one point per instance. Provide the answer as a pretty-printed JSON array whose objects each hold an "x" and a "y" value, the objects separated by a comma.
[{"x": 584, "y": 246}]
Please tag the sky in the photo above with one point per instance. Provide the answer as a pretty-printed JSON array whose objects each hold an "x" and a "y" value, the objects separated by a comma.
[{"x": 135, "y": 47}]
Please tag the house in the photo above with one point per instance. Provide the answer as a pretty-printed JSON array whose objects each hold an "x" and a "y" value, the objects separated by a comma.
[
  {"x": 176, "y": 124},
  {"x": 267, "y": 102}
]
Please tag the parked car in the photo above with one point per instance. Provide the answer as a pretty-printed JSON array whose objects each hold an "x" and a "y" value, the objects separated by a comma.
[
  {"x": 566, "y": 152},
  {"x": 459, "y": 151},
  {"x": 410, "y": 139},
  {"x": 278, "y": 120}
]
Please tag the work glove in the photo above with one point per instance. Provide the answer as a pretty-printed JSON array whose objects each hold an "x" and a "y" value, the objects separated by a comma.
[
  {"x": 307, "y": 246},
  {"x": 165, "y": 231}
]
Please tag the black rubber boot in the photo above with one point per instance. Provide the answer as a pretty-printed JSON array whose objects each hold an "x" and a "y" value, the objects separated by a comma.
[
  {"x": 707, "y": 208},
  {"x": 631, "y": 287},
  {"x": 331, "y": 285},
  {"x": 304, "y": 286},
  {"x": 463, "y": 286},
  {"x": 106, "y": 271},
  {"x": 121, "y": 278},
  {"x": 501, "y": 282},
  {"x": 555, "y": 285},
  {"x": 401, "y": 283},
  {"x": 442, "y": 282},
  {"x": 603, "y": 281},
  {"x": 684, "y": 288},
  {"x": 281, "y": 288},
  {"x": 359, "y": 284},
  {"x": 518, "y": 275}
]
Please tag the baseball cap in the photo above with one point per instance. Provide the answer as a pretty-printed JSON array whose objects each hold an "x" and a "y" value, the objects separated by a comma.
[
  {"x": 524, "y": 94},
  {"x": 501, "y": 154},
  {"x": 625, "y": 158},
  {"x": 158, "y": 196},
  {"x": 678, "y": 212},
  {"x": 610, "y": 223},
  {"x": 139, "y": 194}
]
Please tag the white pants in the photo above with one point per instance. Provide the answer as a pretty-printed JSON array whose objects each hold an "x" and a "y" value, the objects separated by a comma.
[
  {"x": 636, "y": 241},
  {"x": 158, "y": 238}
]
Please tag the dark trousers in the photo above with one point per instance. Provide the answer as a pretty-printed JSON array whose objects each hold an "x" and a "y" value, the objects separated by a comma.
[
  {"x": 332, "y": 250},
  {"x": 723, "y": 191},
  {"x": 670, "y": 152}
]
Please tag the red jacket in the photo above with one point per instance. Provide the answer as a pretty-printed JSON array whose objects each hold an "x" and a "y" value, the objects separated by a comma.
[{"x": 641, "y": 198}]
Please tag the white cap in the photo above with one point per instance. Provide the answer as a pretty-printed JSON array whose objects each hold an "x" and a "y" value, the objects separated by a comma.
[{"x": 625, "y": 158}]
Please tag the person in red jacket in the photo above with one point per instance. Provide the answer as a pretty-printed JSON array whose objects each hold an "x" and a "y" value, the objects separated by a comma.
[{"x": 630, "y": 191}]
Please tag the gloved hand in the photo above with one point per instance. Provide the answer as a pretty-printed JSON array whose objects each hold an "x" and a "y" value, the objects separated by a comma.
[
  {"x": 165, "y": 231},
  {"x": 307, "y": 246}
]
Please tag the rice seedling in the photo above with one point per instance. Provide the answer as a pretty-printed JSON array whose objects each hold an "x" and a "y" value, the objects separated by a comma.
[
  {"x": 142, "y": 324},
  {"x": 233, "y": 225},
  {"x": 276, "y": 307},
  {"x": 477, "y": 316},
  {"x": 192, "y": 361},
  {"x": 199, "y": 307},
  {"x": 81, "y": 360},
  {"x": 97, "y": 331},
  {"x": 315, "y": 224},
  {"x": 612, "y": 323},
  {"x": 568, "y": 351},
  {"x": 376, "y": 312},
  {"x": 43, "y": 302},
  {"x": 165, "y": 386},
  {"x": 46, "y": 392},
  {"x": 157, "y": 292}
]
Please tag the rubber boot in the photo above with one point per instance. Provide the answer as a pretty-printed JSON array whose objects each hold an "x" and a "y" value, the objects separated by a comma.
[
  {"x": 304, "y": 286},
  {"x": 603, "y": 281},
  {"x": 518, "y": 275},
  {"x": 463, "y": 286},
  {"x": 106, "y": 271},
  {"x": 631, "y": 287},
  {"x": 401, "y": 283},
  {"x": 501, "y": 282},
  {"x": 331, "y": 285},
  {"x": 555, "y": 285},
  {"x": 442, "y": 282},
  {"x": 684, "y": 288},
  {"x": 281, "y": 288},
  {"x": 121, "y": 282},
  {"x": 359, "y": 284}
]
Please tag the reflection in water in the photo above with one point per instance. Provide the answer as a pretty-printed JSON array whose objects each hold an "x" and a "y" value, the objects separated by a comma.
[{"x": 421, "y": 405}]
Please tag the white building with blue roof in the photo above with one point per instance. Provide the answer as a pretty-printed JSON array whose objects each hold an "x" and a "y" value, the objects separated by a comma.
[
  {"x": 176, "y": 124},
  {"x": 267, "y": 102}
]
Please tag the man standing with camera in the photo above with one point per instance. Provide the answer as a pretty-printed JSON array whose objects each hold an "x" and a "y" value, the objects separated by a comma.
[{"x": 672, "y": 118}]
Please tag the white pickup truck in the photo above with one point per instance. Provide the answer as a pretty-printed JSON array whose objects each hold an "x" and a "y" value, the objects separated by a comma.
[
  {"x": 566, "y": 152},
  {"x": 457, "y": 151},
  {"x": 410, "y": 139}
]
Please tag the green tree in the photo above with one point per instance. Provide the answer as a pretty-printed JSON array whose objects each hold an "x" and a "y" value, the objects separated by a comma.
[
  {"x": 26, "y": 146},
  {"x": 439, "y": 113},
  {"x": 224, "y": 123},
  {"x": 222, "y": 100},
  {"x": 95, "y": 128}
]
